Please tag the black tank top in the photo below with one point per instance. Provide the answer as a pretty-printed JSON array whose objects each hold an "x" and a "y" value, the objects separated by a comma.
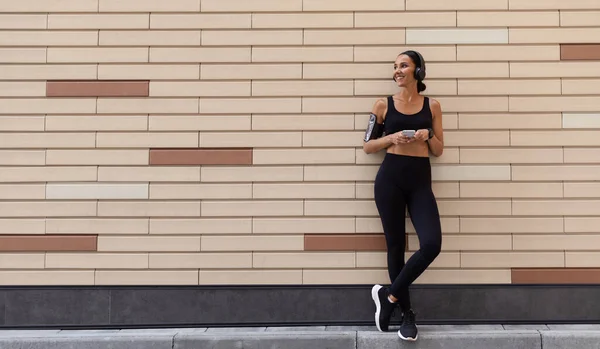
[{"x": 396, "y": 121}]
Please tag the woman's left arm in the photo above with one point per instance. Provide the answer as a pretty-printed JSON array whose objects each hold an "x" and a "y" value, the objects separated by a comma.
[{"x": 436, "y": 143}]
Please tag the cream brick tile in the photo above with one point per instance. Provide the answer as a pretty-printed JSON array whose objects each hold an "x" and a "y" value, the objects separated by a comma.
[
  {"x": 22, "y": 157},
  {"x": 467, "y": 70},
  {"x": 200, "y": 260},
  {"x": 47, "y": 140},
  {"x": 199, "y": 123},
  {"x": 486, "y": 242},
  {"x": 555, "y": 103},
  {"x": 253, "y": 243},
  {"x": 508, "y": 52},
  {"x": 146, "y": 140},
  {"x": 340, "y": 208},
  {"x": 373, "y": 225},
  {"x": 49, "y": 72},
  {"x": 50, "y": 6},
  {"x": 48, "y": 106},
  {"x": 148, "y": 243},
  {"x": 340, "y": 173},
  {"x": 456, "y": 36},
  {"x": 250, "y": 139},
  {"x": 555, "y": 138},
  {"x": 200, "y": 54},
  {"x": 22, "y": 191},
  {"x": 582, "y": 190},
  {"x": 47, "y": 174},
  {"x": 474, "y": 104},
  {"x": 148, "y": 71},
  {"x": 96, "y": 123},
  {"x": 47, "y": 209},
  {"x": 581, "y": 224},
  {"x": 352, "y": 5},
  {"x": 251, "y": 277},
  {"x": 555, "y": 173},
  {"x": 22, "y": 226},
  {"x": 332, "y": 139},
  {"x": 553, "y": 35},
  {"x": 195, "y": 226},
  {"x": 512, "y": 259},
  {"x": 16, "y": 21},
  {"x": 413, "y": 5},
  {"x": 556, "y": 242},
  {"x": 582, "y": 259},
  {"x": 346, "y": 71},
  {"x": 582, "y": 155},
  {"x": 297, "y": 122},
  {"x": 22, "y": 55},
  {"x": 302, "y": 20},
  {"x": 147, "y": 277},
  {"x": 509, "y": 87},
  {"x": 251, "y": 6},
  {"x": 552, "y": 4},
  {"x": 470, "y": 173},
  {"x": 250, "y": 105},
  {"x": 476, "y": 138},
  {"x": 98, "y": 21},
  {"x": 200, "y": 88},
  {"x": 97, "y": 157},
  {"x": 47, "y": 277},
  {"x": 200, "y": 21},
  {"x": 408, "y": 19},
  {"x": 440, "y": 190},
  {"x": 511, "y": 155},
  {"x": 303, "y": 191},
  {"x": 149, "y": 209},
  {"x": 48, "y": 38},
  {"x": 251, "y": 37},
  {"x": 511, "y": 190},
  {"x": 252, "y": 174},
  {"x": 509, "y": 121},
  {"x": 149, "y": 38},
  {"x": 556, "y": 207},
  {"x": 22, "y": 261},
  {"x": 147, "y": 105},
  {"x": 302, "y": 54},
  {"x": 388, "y": 87},
  {"x": 304, "y": 260},
  {"x": 579, "y": 18},
  {"x": 344, "y": 277},
  {"x": 302, "y": 88},
  {"x": 149, "y": 6},
  {"x": 508, "y": 19},
  {"x": 354, "y": 36},
  {"x": 337, "y": 104},
  {"x": 97, "y": 55},
  {"x": 180, "y": 191},
  {"x": 474, "y": 207},
  {"x": 102, "y": 226},
  {"x": 450, "y": 156},
  {"x": 431, "y": 53},
  {"x": 251, "y": 208},
  {"x": 302, "y": 156},
  {"x": 551, "y": 69},
  {"x": 330, "y": 225},
  {"x": 250, "y": 71},
  {"x": 516, "y": 225},
  {"x": 100, "y": 191},
  {"x": 379, "y": 260},
  {"x": 97, "y": 260},
  {"x": 581, "y": 120},
  {"x": 580, "y": 86}
]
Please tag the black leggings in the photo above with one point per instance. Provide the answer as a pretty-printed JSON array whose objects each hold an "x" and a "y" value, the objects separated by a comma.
[{"x": 405, "y": 181}]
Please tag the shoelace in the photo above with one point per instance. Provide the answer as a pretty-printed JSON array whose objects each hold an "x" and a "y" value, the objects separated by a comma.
[{"x": 409, "y": 318}]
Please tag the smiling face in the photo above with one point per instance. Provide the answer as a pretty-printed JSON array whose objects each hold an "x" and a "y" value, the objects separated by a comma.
[{"x": 404, "y": 70}]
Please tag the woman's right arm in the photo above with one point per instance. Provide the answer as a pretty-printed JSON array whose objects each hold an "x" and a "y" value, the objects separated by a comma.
[{"x": 373, "y": 141}]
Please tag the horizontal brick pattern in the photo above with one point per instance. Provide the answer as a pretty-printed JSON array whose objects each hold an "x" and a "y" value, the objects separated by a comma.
[{"x": 218, "y": 142}]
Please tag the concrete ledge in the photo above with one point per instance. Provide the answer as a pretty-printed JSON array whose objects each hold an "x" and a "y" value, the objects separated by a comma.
[
  {"x": 453, "y": 340},
  {"x": 570, "y": 339},
  {"x": 271, "y": 340}
]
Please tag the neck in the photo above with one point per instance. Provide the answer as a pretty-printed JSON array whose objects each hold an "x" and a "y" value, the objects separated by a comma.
[{"x": 409, "y": 93}]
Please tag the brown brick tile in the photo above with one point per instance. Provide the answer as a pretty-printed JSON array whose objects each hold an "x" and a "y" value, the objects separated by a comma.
[
  {"x": 555, "y": 276},
  {"x": 31, "y": 243},
  {"x": 225, "y": 156},
  {"x": 344, "y": 242},
  {"x": 579, "y": 52},
  {"x": 97, "y": 88}
]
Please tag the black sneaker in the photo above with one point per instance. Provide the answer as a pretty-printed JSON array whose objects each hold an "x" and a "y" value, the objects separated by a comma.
[
  {"x": 408, "y": 330},
  {"x": 384, "y": 309}
]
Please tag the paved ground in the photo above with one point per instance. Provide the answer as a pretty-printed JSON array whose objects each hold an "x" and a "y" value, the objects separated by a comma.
[{"x": 317, "y": 337}]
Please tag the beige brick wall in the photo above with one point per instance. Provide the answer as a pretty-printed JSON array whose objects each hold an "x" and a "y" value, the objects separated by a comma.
[{"x": 291, "y": 83}]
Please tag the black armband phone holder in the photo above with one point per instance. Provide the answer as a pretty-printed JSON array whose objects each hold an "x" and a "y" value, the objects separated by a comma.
[{"x": 374, "y": 130}]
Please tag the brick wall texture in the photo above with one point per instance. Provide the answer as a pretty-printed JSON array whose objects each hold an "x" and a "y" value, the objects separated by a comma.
[{"x": 190, "y": 142}]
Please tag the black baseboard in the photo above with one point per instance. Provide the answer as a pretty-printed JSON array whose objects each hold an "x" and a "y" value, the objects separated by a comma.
[{"x": 200, "y": 306}]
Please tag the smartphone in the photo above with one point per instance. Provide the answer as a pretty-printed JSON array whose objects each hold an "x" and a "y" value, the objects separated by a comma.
[{"x": 408, "y": 133}]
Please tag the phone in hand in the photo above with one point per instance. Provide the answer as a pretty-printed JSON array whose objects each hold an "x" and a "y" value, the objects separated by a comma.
[{"x": 408, "y": 133}]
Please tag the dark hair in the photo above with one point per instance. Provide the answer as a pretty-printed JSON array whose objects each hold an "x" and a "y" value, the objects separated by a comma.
[{"x": 417, "y": 61}]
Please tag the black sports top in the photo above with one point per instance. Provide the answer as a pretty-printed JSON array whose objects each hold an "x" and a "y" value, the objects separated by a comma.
[{"x": 396, "y": 121}]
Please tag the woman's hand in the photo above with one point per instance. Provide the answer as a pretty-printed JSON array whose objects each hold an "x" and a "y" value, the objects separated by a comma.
[
  {"x": 422, "y": 135},
  {"x": 399, "y": 138}
]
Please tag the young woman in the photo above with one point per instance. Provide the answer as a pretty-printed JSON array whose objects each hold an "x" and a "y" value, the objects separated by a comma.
[{"x": 409, "y": 126}]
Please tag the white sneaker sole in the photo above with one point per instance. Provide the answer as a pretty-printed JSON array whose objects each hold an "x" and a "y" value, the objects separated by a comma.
[
  {"x": 409, "y": 339},
  {"x": 375, "y": 296}
]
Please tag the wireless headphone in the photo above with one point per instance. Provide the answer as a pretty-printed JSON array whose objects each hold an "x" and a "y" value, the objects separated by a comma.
[{"x": 420, "y": 70}]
